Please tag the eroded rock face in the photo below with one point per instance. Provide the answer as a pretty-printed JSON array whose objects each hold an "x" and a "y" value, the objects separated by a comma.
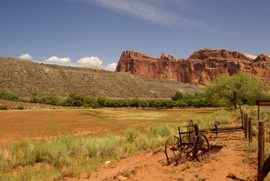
[{"x": 199, "y": 69}]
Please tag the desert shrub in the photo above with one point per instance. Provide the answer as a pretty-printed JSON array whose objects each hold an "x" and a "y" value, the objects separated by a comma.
[
  {"x": 131, "y": 134},
  {"x": 222, "y": 116},
  {"x": 3, "y": 107},
  {"x": 12, "y": 96},
  {"x": 251, "y": 147},
  {"x": 161, "y": 131},
  {"x": 19, "y": 107},
  {"x": 72, "y": 155},
  {"x": 50, "y": 97}
]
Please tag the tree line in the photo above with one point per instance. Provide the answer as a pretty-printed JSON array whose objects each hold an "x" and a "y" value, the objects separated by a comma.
[{"x": 224, "y": 91}]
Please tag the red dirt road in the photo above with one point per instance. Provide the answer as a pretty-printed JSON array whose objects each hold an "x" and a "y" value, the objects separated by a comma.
[{"x": 231, "y": 160}]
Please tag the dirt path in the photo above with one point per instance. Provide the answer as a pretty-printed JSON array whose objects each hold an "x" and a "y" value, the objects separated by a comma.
[{"x": 231, "y": 160}]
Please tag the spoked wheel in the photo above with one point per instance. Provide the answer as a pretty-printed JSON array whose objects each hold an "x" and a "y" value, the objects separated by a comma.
[
  {"x": 172, "y": 149},
  {"x": 201, "y": 148}
]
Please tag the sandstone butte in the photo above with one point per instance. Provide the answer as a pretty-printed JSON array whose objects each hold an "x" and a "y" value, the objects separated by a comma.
[{"x": 199, "y": 69}]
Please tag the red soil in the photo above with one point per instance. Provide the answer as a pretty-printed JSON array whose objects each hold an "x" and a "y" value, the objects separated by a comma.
[{"x": 230, "y": 163}]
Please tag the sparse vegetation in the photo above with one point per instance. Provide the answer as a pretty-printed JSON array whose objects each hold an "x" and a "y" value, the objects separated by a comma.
[
  {"x": 70, "y": 155},
  {"x": 19, "y": 107},
  {"x": 12, "y": 96},
  {"x": 3, "y": 107},
  {"x": 50, "y": 97}
]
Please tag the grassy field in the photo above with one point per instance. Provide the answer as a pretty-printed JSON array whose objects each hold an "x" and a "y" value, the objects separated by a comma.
[
  {"x": 46, "y": 123},
  {"x": 54, "y": 144}
]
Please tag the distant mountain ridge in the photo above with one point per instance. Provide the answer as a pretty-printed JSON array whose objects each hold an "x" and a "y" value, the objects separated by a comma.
[
  {"x": 25, "y": 77},
  {"x": 199, "y": 69}
]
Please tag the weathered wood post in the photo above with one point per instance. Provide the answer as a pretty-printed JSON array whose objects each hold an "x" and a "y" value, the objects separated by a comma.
[
  {"x": 260, "y": 145},
  {"x": 245, "y": 120},
  {"x": 264, "y": 170},
  {"x": 250, "y": 130}
]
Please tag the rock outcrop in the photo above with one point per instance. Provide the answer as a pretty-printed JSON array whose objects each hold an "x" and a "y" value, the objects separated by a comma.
[{"x": 199, "y": 69}]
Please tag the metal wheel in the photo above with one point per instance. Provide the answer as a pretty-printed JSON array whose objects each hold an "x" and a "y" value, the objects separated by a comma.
[
  {"x": 172, "y": 149},
  {"x": 201, "y": 148}
]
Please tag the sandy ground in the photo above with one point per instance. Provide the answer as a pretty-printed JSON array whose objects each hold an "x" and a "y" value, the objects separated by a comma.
[{"x": 230, "y": 163}]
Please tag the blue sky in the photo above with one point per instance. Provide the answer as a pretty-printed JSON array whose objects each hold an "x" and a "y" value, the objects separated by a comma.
[{"x": 96, "y": 32}]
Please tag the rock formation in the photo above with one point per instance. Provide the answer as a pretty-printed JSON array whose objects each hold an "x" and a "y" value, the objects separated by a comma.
[{"x": 199, "y": 69}]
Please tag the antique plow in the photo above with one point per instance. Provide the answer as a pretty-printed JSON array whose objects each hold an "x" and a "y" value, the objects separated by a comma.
[{"x": 191, "y": 144}]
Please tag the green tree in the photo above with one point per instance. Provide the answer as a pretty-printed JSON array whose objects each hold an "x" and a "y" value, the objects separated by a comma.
[
  {"x": 75, "y": 99},
  {"x": 8, "y": 95},
  {"x": 228, "y": 91},
  {"x": 88, "y": 101},
  {"x": 101, "y": 100},
  {"x": 177, "y": 96},
  {"x": 136, "y": 102}
]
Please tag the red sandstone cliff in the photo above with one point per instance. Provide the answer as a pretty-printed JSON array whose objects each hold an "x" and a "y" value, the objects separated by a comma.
[{"x": 199, "y": 69}]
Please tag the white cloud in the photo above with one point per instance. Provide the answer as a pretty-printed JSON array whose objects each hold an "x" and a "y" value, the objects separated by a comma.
[
  {"x": 89, "y": 61},
  {"x": 25, "y": 56},
  {"x": 158, "y": 11},
  {"x": 111, "y": 66},
  {"x": 55, "y": 59}
]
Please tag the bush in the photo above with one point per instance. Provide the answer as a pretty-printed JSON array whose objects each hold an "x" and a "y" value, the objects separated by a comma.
[
  {"x": 102, "y": 101},
  {"x": 12, "y": 96},
  {"x": 132, "y": 134},
  {"x": 161, "y": 131},
  {"x": 88, "y": 101},
  {"x": 19, "y": 107},
  {"x": 3, "y": 107},
  {"x": 177, "y": 96},
  {"x": 49, "y": 97},
  {"x": 95, "y": 105}
]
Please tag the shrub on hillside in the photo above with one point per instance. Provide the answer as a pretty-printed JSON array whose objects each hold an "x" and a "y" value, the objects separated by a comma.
[
  {"x": 12, "y": 96},
  {"x": 19, "y": 107},
  {"x": 50, "y": 97},
  {"x": 3, "y": 107}
]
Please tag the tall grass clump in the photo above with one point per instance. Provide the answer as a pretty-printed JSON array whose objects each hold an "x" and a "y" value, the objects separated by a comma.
[
  {"x": 160, "y": 131},
  {"x": 69, "y": 156},
  {"x": 222, "y": 116}
]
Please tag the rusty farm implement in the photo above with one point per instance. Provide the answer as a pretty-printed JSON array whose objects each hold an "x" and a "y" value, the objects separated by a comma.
[{"x": 191, "y": 143}]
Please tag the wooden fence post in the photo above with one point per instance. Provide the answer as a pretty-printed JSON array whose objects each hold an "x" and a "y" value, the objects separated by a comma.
[
  {"x": 245, "y": 126},
  {"x": 264, "y": 170},
  {"x": 260, "y": 145},
  {"x": 250, "y": 130}
]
